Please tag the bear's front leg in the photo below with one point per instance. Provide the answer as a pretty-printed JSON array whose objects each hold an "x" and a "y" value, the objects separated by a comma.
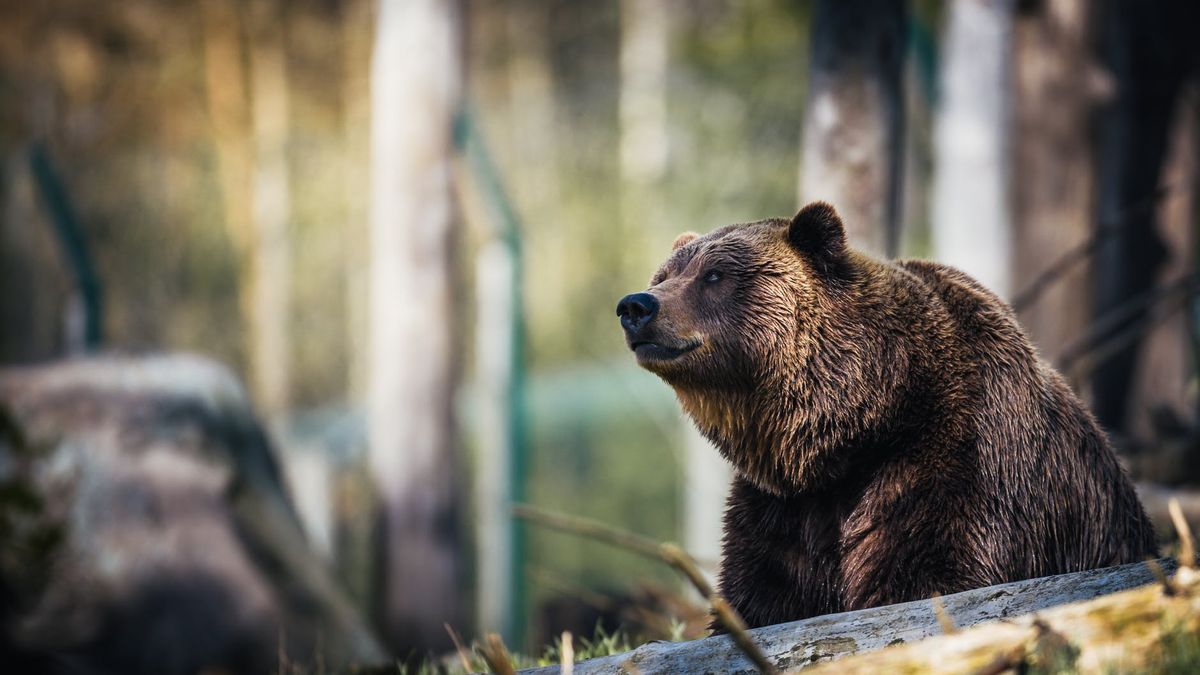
[
  {"x": 911, "y": 544},
  {"x": 778, "y": 557}
]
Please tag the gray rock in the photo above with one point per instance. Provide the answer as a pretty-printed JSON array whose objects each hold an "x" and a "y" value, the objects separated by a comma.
[{"x": 144, "y": 527}]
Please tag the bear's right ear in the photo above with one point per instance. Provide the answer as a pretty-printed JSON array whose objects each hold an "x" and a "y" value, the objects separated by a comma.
[
  {"x": 683, "y": 240},
  {"x": 817, "y": 233}
]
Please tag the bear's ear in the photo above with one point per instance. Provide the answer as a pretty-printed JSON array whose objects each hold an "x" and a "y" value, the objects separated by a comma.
[
  {"x": 683, "y": 240},
  {"x": 817, "y": 233}
]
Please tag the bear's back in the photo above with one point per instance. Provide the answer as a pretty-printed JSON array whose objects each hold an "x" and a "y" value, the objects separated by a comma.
[{"x": 1049, "y": 462}]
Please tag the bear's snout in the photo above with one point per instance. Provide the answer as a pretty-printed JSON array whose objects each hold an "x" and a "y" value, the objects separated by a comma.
[{"x": 636, "y": 310}]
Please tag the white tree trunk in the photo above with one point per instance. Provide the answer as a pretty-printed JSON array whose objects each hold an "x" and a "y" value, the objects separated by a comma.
[
  {"x": 643, "y": 142},
  {"x": 249, "y": 130},
  {"x": 971, "y": 227},
  {"x": 416, "y": 87},
  {"x": 851, "y": 146},
  {"x": 270, "y": 267},
  {"x": 646, "y": 28},
  {"x": 227, "y": 100},
  {"x": 645, "y": 41},
  {"x": 534, "y": 116}
]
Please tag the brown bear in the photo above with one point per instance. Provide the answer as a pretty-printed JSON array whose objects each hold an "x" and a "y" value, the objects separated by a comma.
[{"x": 893, "y": 431}]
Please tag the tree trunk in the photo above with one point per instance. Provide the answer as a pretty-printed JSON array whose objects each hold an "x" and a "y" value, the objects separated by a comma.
[
  {"x": 645, "y": 39},
  {"x": 646, "y": 28},
  {"x": 534, "y": 124},
  {"x": 270, "y": 268},
  {"x": 1162, "y": 386},
  {"x": 1056, "y": 87},
  {"x": 970, "y": 191},
  {"x": 417, "y": 81},
  {"x": 29, "y": 306},
  {"x": 852, "y": 141},
  {"x": 357, "y": 29},
  {"x": 228, "y": 105},
  {"x": 1150, "y": 46}
]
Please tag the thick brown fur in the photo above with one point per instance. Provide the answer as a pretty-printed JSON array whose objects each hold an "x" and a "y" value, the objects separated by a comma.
[{"x": 894, "y": 432}]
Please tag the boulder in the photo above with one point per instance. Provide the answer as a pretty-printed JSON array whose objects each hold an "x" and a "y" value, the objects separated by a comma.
[{"x": 145, "y": 527}]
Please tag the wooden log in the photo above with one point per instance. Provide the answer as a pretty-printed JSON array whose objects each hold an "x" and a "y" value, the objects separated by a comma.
[
  {"x": 798, "y": 644},
  {"x": 1122, "y": 632}
]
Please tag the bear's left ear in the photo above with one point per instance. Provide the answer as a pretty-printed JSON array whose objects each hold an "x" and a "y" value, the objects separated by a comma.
[
  {"x": 683, "y": 240},
  {"x": 817, "y": 233}
]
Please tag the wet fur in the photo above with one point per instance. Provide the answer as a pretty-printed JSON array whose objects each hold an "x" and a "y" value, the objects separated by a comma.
[{"x": 893, "y": 431}]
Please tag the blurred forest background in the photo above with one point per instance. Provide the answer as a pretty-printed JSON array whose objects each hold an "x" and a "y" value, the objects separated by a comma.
[{"x": 405, "y": 226}]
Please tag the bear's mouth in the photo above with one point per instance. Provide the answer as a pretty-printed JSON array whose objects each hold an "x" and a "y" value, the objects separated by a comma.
[{"x": 653, "y": 351}]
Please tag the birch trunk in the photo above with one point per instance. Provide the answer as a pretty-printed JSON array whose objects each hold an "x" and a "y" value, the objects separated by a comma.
[
  {"x": 646, "y": 28},
  {"x": 852, "y": 141},
  {"x": 971, "y": 225},
  {"x": 417, "y": 82},
  {"x": 270, "y": 266},
  {"x": 228, "y": 103}
]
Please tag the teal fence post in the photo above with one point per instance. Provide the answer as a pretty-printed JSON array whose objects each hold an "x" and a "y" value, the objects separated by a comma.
[
  {"x": 69, "y": 232},
  {"x": 471, "y": 143}
]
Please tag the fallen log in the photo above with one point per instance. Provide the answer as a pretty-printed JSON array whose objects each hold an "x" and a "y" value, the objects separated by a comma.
[
  {"x": 799, "y": 644},
  {"x": 1122, "y": 632}
]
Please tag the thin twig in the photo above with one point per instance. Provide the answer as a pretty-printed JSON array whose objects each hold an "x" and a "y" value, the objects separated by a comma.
[
  {"x": 943, "y": 617},
  {"x": 669, "y": 553},
  {"x": 496, "y": 655},
  {"x": 1101, "y": 330},
  {"x": 1061, "y": 265},
  {"x": 1169, "y": 587},
  {"x": 1121, "y": 340},
  {"x": 679, "y": 559},
  {"x": 733, "y": 623},
  {"x": 636, "y": 612},
  {"x": 460, "y": 648},
  {"x": 587, "y": 596},
  {"x": 1187, "y": 549},
  {"x": 591, "y": 529}
]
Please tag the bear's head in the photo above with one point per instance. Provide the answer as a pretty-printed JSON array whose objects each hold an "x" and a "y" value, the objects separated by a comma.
[{"x": 773, "y": 338}]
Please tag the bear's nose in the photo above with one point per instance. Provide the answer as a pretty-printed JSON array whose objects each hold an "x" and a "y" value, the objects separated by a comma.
[{"x": 636, "y": 310}]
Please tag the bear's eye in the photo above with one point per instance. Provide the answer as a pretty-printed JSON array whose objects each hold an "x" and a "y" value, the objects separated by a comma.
[{"x": 712, "y": 277}]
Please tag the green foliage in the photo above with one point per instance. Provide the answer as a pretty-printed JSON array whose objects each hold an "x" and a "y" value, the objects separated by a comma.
[
  {"x": 602, "y": 447},
  {"x": 600, "y": 644},
  {"x": 29, "y": 536}
]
